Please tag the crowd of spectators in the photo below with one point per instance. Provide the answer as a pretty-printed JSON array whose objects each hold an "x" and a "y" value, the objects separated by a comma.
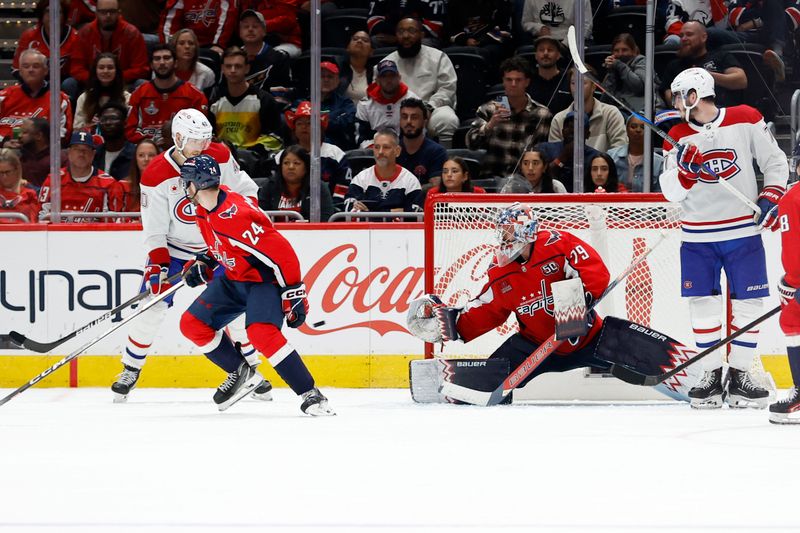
[{"x": 393, "y": 95}]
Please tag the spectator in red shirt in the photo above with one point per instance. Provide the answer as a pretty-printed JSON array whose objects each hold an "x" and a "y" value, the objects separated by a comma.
[
  {"x": 156, "y": 101},
  {"x": 29, "y": 99},
  {"x": 283, "y": 30},
  {"x": 146, "y": 150},
  {"x": 601, "y": 175},
  {"x": 110, "y": 33},
  {"x": 213, "y": 21},
  {"x": 455, "y": 178},
  {"x": 83, "y": 186},
  {"x": 38, "y": 38},
  {"x": 14, "y": 196}
]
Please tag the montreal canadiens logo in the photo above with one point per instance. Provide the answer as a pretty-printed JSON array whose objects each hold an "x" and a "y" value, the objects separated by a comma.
[
  {"x": 722, "y": 162},
  {"x": 184, "y": 211}
]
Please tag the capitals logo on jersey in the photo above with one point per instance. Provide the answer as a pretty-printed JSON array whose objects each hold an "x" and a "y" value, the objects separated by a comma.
[
  {"x": 204, "y": 16},
  {"x": 723, "y": 162},
  {"x": 230, "y": 212},
  {"x": 541, "y": 300}
]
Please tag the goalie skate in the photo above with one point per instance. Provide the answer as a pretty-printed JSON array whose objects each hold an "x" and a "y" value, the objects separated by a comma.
[
  {"x": 316, "y": 404},
  {"x": 743, "y": 392},
  {"x": 125, "y": 383},
  {"x": 238, "y": 384},
  {"x": 786, "y": 411},
  {"x": 707, "y": 394}
]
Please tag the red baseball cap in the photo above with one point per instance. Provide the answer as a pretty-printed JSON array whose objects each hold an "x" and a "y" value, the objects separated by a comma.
[{"x": 330, "y": 67}]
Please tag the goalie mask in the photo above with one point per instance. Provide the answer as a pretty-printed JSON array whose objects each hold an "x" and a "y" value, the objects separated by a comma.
[
  {"x": 516, "y": 228},
  {"x": 692, "y": 79}
]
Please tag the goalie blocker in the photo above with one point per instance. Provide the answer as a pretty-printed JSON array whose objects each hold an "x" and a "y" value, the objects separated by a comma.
[{"x": 619, "y": 342}]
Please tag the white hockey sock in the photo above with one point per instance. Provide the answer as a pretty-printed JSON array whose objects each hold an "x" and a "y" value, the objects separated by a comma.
[
  {"x": 743, "y": 349},
  {"x": 142, "y": 333},
  {"x": 238, "y": 333},
  {"x": 705, "y": 313}
]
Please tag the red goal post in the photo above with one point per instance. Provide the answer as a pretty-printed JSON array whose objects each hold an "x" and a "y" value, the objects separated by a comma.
[{"x": 458, "y": 250}]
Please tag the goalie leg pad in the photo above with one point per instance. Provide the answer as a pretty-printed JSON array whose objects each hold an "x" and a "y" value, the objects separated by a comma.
[
  {"x": 427, "y": 375},
  {"x": 649, "y": 352}
]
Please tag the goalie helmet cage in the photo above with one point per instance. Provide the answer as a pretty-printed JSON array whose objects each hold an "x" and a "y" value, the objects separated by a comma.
[{"x": 459, "y": 236}]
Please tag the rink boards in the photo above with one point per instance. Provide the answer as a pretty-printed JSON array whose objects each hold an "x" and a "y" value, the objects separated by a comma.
[{"x": 360, "y": 277}]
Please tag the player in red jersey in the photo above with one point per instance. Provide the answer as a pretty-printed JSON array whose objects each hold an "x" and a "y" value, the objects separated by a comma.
[
  {"x": 262, "y": 280},
  {"x": 156, "y": 101},
  {"x": 528, "y": 262},
  {"x": 83, "y": 186},
  {"x": 787, "y": 411}
]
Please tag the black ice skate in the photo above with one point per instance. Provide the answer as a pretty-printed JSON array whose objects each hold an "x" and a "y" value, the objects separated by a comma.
[
  {"x": 125, "y": 383},
  {"x": 786, "y": 411},
  {"x": 264, "y": 391},
  {"x": 743, "y": 392},
  {"x": 315, "y": 404},
  {"x": 707, "y": 394},
  {"x": 239, "y": 384}
]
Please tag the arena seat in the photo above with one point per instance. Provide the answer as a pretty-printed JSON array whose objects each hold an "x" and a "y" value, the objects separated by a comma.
[{"x": 339, "y": 26}]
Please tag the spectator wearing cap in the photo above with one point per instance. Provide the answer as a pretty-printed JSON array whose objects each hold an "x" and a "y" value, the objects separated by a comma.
[
  {"x": 269, "y": 69},
  {"x": 115, "y": 154},
  {"x": 334, "y": 167},
  {"x": 485, "y": 24},
  {"x": 110, "y": 33},
  {"x": 84, "y": 187},
  {"x": 549, "y": 85},
  {"x": 30, "y": 98},
  {"x": 242, "y": 114},
  {"x": 283, "y": 28},
  {"x": 381, "y": 107},
  {"x": 15, "y": 196},
  {"x": 554, "y": 17},
  {"x": 385, "y": 186},
  {"x": 430, "y": 74},
  {"x": 212, "y": 21},
  {"x": 560, "y": 153},
  {"x": 419, "y": 154},
  {"x": 607, "y": 124},
  {"x": 340, "y": 108},
  {"x": 504, "y": 128}
]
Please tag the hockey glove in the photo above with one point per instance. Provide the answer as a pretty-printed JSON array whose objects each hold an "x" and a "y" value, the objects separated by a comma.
[
  {"x": 690, "y": 163},
  {"x": 768, "y": 203},
  {"x": 295, "y": 304},
  {"x": 156, "y": 278},
  {"x": 200, "y": 270},
  {"x": 448, "y": 317},
  {"x": 787, "y": 293}
]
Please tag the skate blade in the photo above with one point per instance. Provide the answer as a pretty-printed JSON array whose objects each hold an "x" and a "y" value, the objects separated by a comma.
[
  {"x": 254, "y": 381},
  {"x": 320, "y": 409},
  {"x": 714, "y": 402},
  {"x": 784, "y": 418},
  {"x": 120, "y": 398},
  {"x": 264, "y": 396},
  {"x": 740, "y": 402}
]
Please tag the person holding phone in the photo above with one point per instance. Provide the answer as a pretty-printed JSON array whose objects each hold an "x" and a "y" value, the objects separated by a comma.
[{"x": 504, "y": 127}]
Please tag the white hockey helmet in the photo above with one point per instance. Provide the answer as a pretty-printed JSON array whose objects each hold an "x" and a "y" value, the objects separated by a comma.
[
  {"x": 692, "y": 79},
  {"x": 190, "y": 124},
  {"x": 516, "y": 227}
]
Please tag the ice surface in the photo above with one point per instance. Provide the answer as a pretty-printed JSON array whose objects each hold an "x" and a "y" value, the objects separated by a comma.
[{"x": 72, "y": 461}]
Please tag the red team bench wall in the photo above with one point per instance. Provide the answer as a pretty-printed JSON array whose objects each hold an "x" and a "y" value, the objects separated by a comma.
[{"x": 361, "y": 278}]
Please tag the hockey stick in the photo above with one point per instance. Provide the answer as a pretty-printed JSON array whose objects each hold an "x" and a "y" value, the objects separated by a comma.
[
  {"x": 92, "y": 342},
  {"x": 21, "y": 340},
  {"x": 629, "y": 375},
  {"x": 576, "y": 58},
  {"x": 476, "y": 397}
]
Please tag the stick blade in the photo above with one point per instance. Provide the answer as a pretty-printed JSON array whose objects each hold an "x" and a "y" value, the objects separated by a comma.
[
  {"x": 574, "y": 52},
  {"x": 633, "y": 377},
  {"x": 17, "y": 338}
]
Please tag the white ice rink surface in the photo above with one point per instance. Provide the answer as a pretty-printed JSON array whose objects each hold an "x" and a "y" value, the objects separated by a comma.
[{"x": 72, "y": 461}]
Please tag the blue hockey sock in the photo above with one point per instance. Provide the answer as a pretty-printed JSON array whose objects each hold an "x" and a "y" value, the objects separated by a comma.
[
  {"x": 293, "y": 371},
  {"x": 225, "y": 355},
  {"x": 794, "y": 363}
]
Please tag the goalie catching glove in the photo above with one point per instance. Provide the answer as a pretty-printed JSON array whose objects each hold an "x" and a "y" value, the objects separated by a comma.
[
  {"x": 200, "y": 270},
  {"x": 430, "y": 320},
  {"x": 295, "y": 304}
]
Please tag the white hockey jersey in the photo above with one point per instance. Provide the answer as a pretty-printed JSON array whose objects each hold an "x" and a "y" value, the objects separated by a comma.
[
  {"x": 168, "y": 217},
  {"x": 729, "y": 144}
]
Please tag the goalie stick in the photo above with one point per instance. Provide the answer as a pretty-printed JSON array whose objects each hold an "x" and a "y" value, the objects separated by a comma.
[
  {"x": 91, "y": 343},
  {"x": 629, "y": 375},
  {"x": 576, "y": 58},
  {"x": 42, "y": 347},
  {"x": 476, "y": 397}
]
